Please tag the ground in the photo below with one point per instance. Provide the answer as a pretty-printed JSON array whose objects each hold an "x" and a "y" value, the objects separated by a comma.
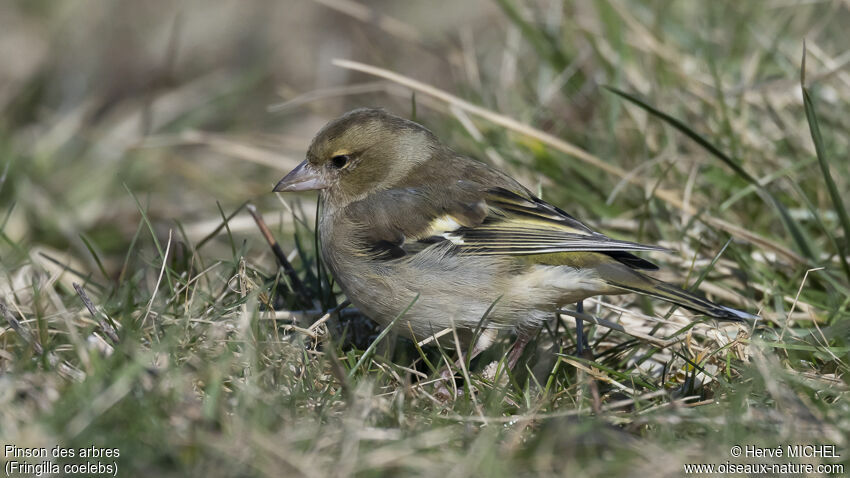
[{"x": 132, "y": 134}]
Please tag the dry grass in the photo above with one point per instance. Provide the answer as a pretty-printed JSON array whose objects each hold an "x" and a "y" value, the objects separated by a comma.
[{"x": 125, "y": 145}]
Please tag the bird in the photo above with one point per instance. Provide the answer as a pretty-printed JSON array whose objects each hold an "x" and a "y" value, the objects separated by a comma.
[{"x": 408, "y": 226}]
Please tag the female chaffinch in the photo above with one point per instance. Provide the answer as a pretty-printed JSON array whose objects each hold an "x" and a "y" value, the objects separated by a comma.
[{"x": 407, "y": 222}]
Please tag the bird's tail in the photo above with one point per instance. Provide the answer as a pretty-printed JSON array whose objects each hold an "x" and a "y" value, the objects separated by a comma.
[{"x": 653, "y": 287}]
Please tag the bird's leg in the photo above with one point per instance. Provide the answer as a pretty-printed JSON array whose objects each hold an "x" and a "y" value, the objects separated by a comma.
[
  {"x": 447, "y": 374},
  {"x": 522, "y": 340},
  {"x": 580, "y": 339},
  {"x": 443, "y": 393},
  {"x": 582, "y": 342}
]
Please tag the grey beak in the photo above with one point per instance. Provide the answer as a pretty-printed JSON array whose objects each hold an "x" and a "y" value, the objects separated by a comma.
[{"x": 302, "y": 178}]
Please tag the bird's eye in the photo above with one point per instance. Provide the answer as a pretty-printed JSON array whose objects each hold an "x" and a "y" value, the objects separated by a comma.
[{"x": 340, "y": 161}]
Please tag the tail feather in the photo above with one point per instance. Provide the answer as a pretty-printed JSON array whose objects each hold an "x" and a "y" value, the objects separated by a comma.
[{"x": 670, "y": 293}]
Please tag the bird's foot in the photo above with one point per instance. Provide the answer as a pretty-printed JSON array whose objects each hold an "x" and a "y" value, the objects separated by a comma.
[
  {"x": 447, "y": 389},
  {"x": 492, "y": 372}
]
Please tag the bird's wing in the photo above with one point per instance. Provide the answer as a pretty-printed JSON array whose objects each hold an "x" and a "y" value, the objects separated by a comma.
[
  {"x": 479, "y": 221},
  {"x": 518, "y": 224}
]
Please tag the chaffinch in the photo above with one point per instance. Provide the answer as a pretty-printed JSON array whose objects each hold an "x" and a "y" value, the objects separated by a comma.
[{"x": 406, "y": 220}]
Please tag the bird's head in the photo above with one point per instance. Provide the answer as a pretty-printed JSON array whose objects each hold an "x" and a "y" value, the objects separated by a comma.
[{"x": 363, "y": 151}]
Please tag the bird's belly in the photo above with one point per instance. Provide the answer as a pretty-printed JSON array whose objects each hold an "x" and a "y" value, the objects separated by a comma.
[
  {"x": 442, "y": 290},
  {"x": 436, "y": 296}
]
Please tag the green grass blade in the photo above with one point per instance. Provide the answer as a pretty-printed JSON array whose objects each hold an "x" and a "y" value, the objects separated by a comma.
[
  {"x": 7, "y": 216},
  {"x": 786, "y": 218},
  {"x": 130, "y": 250},
  {"x": 218, "y": 228},
  {"x": 317, "y": 247},
  {"x": 371, "y": 349},
  {"x": 834, "y": 195},
  {"x": 687, "y": 131},
  {"x": 545, "y": 46},
  {"x": 94, "y": 254},
  {"x": 153, "y": 234},
  {"x": 226, "y": 223}
]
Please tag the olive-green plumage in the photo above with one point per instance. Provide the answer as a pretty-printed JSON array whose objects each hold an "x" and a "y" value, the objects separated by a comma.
[{"x": 405, "y": 216}]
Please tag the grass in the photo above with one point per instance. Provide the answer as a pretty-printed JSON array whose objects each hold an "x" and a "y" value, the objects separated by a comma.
[{"x": 697, "y": 127}]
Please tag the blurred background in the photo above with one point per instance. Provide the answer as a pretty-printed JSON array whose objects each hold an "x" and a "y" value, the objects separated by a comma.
[
  {"x": 189, "y": 103},
  {"x": 176, "y": 102},
  {"x": 126, "y": 123}
]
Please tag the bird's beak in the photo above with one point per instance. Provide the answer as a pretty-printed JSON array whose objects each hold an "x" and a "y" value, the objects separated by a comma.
[{"x": 302, "y": 178}]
